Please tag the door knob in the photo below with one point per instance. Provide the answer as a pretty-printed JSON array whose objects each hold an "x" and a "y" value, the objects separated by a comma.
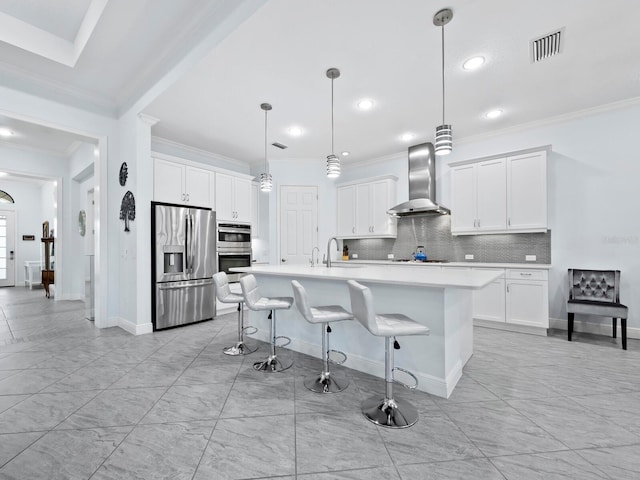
[
  {"x": 11, "y": 255},
  {"x": 283, "y": 260}
]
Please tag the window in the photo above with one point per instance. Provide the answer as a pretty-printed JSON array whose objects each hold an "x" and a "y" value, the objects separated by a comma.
[{"x": 5, "y": 197}]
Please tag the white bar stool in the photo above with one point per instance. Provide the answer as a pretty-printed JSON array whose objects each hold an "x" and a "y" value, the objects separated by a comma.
[
  {"x": 257, "y": 303},
  {"x": 386, "y": 411},
  {"x": 325, "y": 382},
  {"x": 224, "y": 295}
]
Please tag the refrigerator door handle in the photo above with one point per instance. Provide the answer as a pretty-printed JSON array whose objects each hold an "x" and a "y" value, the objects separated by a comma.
[
  {"x": 173, "y": 286},
  {"x": 191, "y": 247}
]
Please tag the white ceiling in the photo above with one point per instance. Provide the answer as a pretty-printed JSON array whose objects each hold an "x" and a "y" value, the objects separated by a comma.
[{"x": 388, "y": 51}]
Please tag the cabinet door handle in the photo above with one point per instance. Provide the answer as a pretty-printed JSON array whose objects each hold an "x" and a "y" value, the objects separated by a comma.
[
  {"x": 353, "y": 229},
  {"x": 182, "y": 197},
  {"x": 187, "y": 197},
  {"x": 478, "y": 223},
  {"x": 507, "y": 288},
  {"x": 373, "y": 228},
  {"x": 522, "y": 274},
  {"x": 508, "y": 222}
]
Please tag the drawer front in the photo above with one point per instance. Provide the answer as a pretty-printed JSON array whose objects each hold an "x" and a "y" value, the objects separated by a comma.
[{"x": 527, "y": 274}]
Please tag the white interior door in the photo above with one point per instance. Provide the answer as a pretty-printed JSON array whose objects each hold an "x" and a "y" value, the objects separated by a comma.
[
  {"x": 7, "y": 249},
  {"x": 298, "y": 223}
]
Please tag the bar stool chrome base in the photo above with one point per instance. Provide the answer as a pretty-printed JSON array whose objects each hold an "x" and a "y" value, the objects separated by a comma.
[
  {"x": 391, "y": 413},
  {"x": 273, "y": 364},
  {"x": 240, "y": 348},
  {"x": 325, "y": 383}
]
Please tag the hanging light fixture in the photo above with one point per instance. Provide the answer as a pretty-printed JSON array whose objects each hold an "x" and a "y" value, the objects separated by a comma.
[
  {"x": 266, "y": 182},
  {"x": 333, "y": 162},
  {"x": 444, "y": 134}
]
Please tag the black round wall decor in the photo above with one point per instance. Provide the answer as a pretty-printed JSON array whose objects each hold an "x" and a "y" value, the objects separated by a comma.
[{"x": 124, "y": 173}]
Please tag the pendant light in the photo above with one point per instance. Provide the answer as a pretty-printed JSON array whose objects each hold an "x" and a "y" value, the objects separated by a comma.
[
  {"x": 444, "y": 133},
  {"x": 333, "y": 162},
  {"x": 265, "y": 178}
]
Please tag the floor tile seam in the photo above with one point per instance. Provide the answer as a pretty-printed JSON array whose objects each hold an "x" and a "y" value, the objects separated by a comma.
[
  {"x": 453, "y": 420},
  {"x": 578, "y": 451},
  {"x": 540, "y": 426},
  {"x": 44, "y": 432},
  {"x": 74, "y": 411},
  {"x": 127, "y": 435}
]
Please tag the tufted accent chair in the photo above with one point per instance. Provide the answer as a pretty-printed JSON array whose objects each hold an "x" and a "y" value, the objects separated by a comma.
[{"x": 596, "y": 292}]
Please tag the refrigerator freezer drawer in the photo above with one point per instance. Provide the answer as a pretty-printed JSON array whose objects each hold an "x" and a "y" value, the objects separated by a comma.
[{"x": 181, "y": 303}]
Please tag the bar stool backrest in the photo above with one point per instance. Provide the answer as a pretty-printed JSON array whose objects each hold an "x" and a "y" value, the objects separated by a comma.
[
  {"x": 362, "y": 306},
  {"x": 222, "y": 285},
  {"x": 250, "y": 292},
  {"x": 302, "y": 301}
]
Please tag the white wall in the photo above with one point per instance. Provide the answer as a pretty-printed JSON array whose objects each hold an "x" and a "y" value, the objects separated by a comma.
[{"x": 28, "y": 221}]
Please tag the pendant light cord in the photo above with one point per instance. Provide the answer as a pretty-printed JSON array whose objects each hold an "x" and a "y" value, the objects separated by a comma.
[
  {"x": 266, "y": 166},
  {"x": 443, "y": 74},
  {"x": 332, "y": 152}
]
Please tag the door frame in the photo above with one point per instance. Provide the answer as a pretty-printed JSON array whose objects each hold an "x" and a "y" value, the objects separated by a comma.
[{"x": 15, "y": 240}]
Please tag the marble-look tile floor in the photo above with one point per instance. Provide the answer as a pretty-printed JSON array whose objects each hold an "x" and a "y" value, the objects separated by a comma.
[{"x": 77, "y": 402}]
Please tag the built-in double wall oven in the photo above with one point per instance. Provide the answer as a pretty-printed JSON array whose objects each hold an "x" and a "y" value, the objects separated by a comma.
[{"x": 233, "y": 248}]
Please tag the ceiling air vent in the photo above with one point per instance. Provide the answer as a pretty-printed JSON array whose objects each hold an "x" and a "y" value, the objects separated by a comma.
[
  {"x": 279, "y": 145},
  {"x": 546, "y": 46}
]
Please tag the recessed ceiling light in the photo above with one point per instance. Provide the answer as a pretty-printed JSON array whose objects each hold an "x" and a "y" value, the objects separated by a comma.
[
  {"x": 493, "y": 113},
  {"x": 473, "y": 63},
  {"x": 295, "y": 131},
  {"x": 345, "y": 154},
  {"x": 365, "y": 104},
  {"x": 405, "y": 137},
  {"x": 5, "y": 132}
]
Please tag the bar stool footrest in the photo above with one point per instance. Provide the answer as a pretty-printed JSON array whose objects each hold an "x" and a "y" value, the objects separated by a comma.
[
  {"x": 283, "y": 344},
  {"x": 338, "y": 352},
  {"x": 390, "y": 413},
  {"x": 407, "y": 372},
  {"x": 249, "y": 327}
]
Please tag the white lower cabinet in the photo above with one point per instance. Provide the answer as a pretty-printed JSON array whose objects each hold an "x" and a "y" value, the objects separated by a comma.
[
  {"x": 520, "y": 297},
  {"x": 528, "y": 298},
  {"x": 489, "y": 302}
]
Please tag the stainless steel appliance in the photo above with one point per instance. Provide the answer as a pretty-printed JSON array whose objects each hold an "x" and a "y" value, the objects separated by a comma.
[
  {"x": 233, "y": 248},
  {"x": 183, "y": 250},
  {"x": 422, "y": 184}
]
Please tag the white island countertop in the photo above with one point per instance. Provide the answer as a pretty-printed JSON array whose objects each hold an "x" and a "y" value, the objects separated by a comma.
[{"x": 385, "y": 274}]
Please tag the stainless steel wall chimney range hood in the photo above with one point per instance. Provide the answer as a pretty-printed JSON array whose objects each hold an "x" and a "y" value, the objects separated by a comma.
[{"x": 422, "y": 184}]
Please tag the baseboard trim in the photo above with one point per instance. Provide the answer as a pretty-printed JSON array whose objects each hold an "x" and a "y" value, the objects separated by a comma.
[
  {"x": 510, "y": 327},
  {"x": 128, "y": 326},
  {"x": 603, "y": 327}
]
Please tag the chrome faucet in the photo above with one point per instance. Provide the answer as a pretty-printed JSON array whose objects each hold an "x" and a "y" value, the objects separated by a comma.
[
  {"x": 317, "y": 256},
  {"x": 329, "y": 250}
]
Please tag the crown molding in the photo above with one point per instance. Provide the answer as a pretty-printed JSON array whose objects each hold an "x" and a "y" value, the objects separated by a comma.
[
  {"x": 565, "y": 117},
  {"x": 196, "y": 151},
  {"x": 32, "y": 149}
]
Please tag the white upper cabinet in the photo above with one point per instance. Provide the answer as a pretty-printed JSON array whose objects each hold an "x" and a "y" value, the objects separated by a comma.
[
  {"x": 233, "y": 198},
  {"x": 527, "y": 191},
  {"x": 498, "y": 195},
  {"x": 346, "y": 218},
  {"x": 479, "y": 197},
  {"x": 182, "y": 184},
  {"x": 362, "y": 209}
]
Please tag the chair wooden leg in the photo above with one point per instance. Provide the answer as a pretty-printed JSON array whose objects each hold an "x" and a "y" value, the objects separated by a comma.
[
  {"x": 623, "y": 327},
  {"x": 569, "y": 325},
  {"x": 615, "y": 325}
]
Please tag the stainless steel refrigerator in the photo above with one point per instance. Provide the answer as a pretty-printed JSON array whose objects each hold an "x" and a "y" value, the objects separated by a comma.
[{"x": 183, "y": 252}]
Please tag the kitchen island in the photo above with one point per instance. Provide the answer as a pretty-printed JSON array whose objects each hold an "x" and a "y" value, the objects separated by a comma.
[{"x": 441, "y": 300}]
